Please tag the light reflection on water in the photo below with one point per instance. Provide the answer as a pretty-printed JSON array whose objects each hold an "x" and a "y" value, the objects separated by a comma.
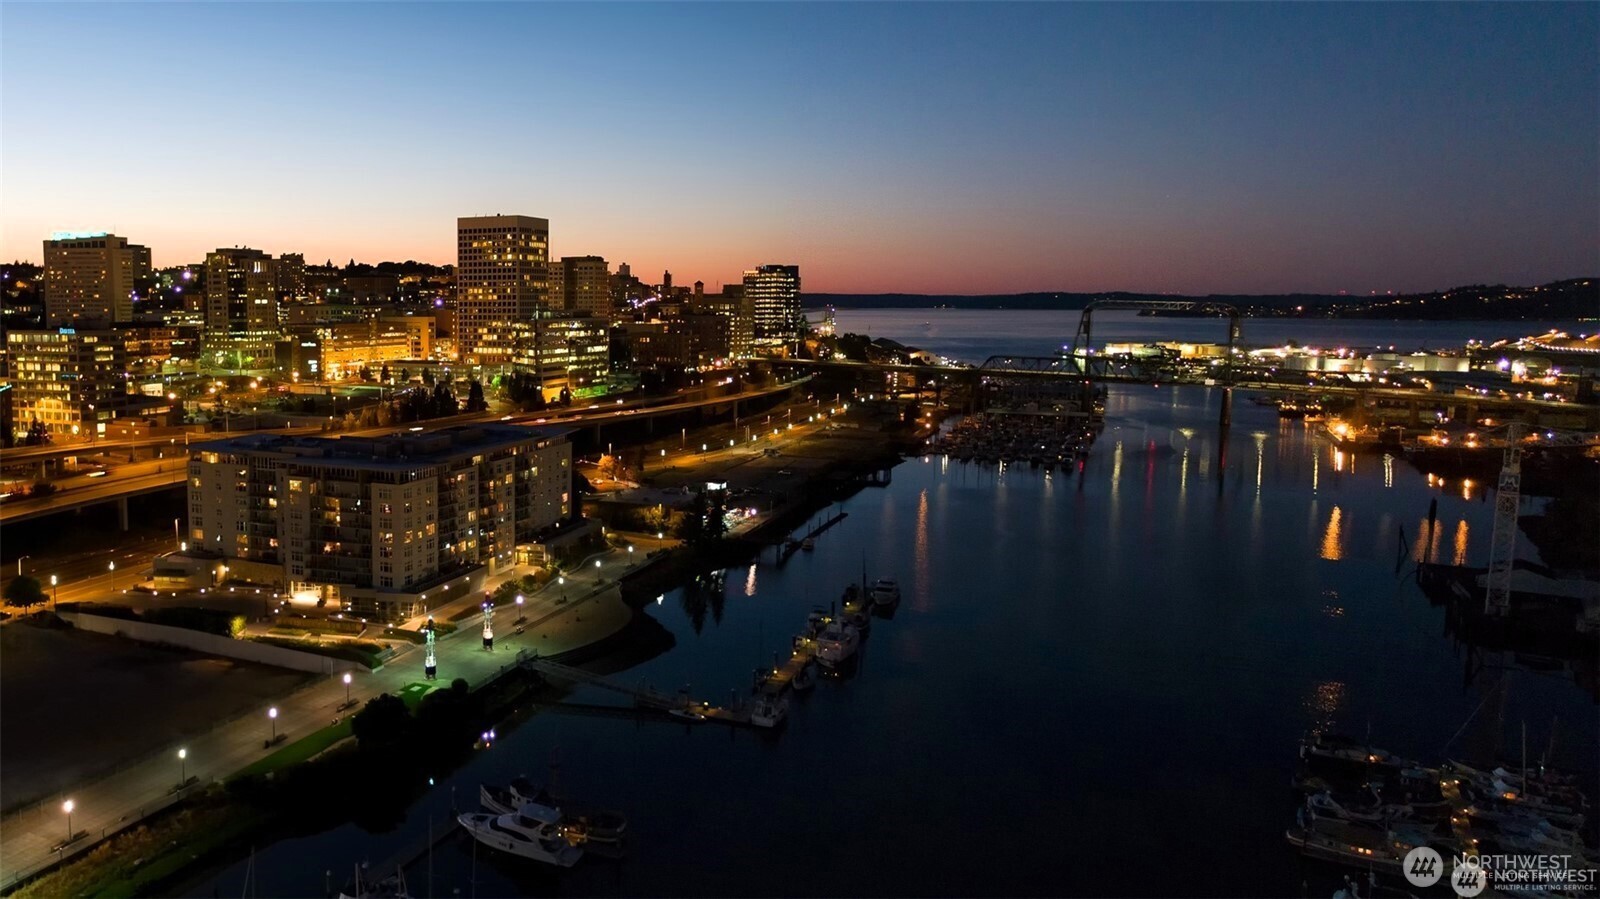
[{"x": 1166, "y": 663}]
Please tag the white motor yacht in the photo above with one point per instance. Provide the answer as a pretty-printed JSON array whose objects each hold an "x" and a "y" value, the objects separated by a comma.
[
  {"x": 534, "y": 832},
  {"x": 770, "y": 711},
  {"x": 837, "y": 643},
  {"x": 885, "y": 592}
]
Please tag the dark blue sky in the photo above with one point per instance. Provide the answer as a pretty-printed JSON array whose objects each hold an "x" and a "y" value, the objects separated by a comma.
[{"x": 945, "y": 148}]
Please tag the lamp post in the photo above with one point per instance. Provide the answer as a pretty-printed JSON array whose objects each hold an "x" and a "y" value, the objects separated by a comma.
[
  {"x": 347, "y": 688},
  {"x": 520, "y": 617},
  {"x": 176, "y": 537},
  {"x": 111, "y": 568},
  {"x": 67, "y": 807},
  {"x": 183, "y": 773},
  {"x": 272, "y": 715},
  {"x": 52, "y": 593},
  {"x": 19, "y": 564}
]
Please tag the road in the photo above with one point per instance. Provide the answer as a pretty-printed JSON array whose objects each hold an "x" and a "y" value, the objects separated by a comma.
[
  {"x": 32, "y": 837},
  {"x": 130, "y": 480}
]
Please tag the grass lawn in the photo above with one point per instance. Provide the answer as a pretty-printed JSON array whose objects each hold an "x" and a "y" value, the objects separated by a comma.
[{"x": 301, "y": 749}]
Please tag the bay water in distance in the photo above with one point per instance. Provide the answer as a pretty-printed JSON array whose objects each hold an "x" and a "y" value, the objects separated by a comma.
[{"x": 1094, "y": 685}]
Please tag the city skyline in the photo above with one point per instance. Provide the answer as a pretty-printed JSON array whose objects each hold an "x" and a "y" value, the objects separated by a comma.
[{"x": 1230, "y": 149}]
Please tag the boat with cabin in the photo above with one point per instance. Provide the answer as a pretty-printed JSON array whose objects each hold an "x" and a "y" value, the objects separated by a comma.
[
  {"x": 837, "y": 644},
  {"x": 533, "y": 832}
]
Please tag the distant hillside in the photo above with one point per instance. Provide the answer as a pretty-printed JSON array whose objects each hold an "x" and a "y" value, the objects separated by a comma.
[
  {"x": 1028, "y": 300},
  {"x": 1574, "y": 298}
]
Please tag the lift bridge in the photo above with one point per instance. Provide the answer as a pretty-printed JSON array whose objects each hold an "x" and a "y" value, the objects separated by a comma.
[{"x": 1079, "y": 361}]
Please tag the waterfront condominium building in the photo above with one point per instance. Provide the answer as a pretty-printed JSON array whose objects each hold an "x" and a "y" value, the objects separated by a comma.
[
  {"x": 89, "y": 278},
  {"x": 380, "y": 527},
  {"x": 70, "y": 380},
  {"x": 501, "y": 275},
  {"x": 774, "y": 295}
]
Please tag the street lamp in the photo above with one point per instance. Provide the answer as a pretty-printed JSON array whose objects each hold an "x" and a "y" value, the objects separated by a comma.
[
  {"x": 67, "y": 807},
  {"x": 272, "y": 715},
  {"x": 52, "y": 593},
  {"x": 347, "y": 688},
  {"x": 111, "y": 567},
  {"x": 19, "y": 564},
  {"x": 183, "y": 773}
]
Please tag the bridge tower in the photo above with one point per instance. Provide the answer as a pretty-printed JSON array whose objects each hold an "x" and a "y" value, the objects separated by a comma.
[{"x": 1503, "y": 544}]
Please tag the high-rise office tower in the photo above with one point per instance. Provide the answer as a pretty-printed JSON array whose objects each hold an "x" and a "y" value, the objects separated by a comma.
[
  {"x": 292, "y": 277},
  {"x": 774, "y": 295},
  {"x": 241, "y": 291},
  {"x": 501, "y": 274},
  {"x": 89, "y": 277},
  {"x": 733, "y": 305},
  {"x": 585, "y": 284}
]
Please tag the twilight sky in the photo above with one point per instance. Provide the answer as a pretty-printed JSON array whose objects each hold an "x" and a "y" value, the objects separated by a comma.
[{"x": 938, "y": 148}]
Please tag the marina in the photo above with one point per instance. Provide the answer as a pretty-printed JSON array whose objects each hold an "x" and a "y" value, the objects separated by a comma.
[{"x": 1313, "y": 638}]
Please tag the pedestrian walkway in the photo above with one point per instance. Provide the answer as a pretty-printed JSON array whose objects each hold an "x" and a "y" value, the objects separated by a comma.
[{"x": 32, "y": 838}]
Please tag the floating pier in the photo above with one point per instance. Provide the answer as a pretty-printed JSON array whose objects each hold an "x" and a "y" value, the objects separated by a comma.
[{"x": 792, "y": 546}]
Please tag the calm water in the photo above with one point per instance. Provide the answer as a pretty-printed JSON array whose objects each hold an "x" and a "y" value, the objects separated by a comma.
[
  {"x": 1087, "y": 673},
  {"x": 974, "y": 335}
]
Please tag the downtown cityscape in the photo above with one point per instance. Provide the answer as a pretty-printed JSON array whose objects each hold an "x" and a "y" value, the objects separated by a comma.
[{"x": 792, "y": 449}]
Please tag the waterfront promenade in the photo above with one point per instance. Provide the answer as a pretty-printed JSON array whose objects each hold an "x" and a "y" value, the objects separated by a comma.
[{"x": 32, "y": 838}]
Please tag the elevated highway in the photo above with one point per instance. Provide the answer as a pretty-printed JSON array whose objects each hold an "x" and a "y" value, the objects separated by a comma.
[{"x": 123, "y": 482}]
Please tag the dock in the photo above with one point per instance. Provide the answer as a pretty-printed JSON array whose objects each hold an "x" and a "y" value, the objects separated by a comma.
[
  {"x": 793, "y": 546},
  {"x": 643, "y": 696},
  {"x": 779, "y": 677}
]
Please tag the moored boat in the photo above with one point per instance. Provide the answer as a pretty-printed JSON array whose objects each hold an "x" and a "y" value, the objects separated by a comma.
[
  {"x": 837, "y": 644},
  {"x": 770, "y": 711},
  {"x": 533, "y": 832},
  {"x": 885, "y": 591},
  {"x": 581, "y": 823}
]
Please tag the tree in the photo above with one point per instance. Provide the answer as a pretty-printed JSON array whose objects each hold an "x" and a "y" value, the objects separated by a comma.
[
  {"x": 565, "y": 398},
  {"x": 38, "y": 434},
  {"x": 366, "y": 373},
  {"x": 427, "y": 377},
  {"x": 383, "y": 722},
  {"x": 444, "y": 400},
  {"x": 475, "y": 400},
  {"x": 383, "y": 374},
  {"x": 24, "y": 591}
]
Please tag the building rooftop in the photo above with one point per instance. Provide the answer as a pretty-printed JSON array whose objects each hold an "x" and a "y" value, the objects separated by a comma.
[{"x": 399, "y": 449}]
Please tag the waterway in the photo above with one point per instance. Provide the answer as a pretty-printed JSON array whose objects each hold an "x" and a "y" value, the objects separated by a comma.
[
  {"x": 1094, "y": 685},
  {"x": 972, "y": 335}
]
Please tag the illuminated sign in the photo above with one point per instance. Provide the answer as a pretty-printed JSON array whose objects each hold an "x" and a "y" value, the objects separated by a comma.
[{"x": 77, "y": 235}]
